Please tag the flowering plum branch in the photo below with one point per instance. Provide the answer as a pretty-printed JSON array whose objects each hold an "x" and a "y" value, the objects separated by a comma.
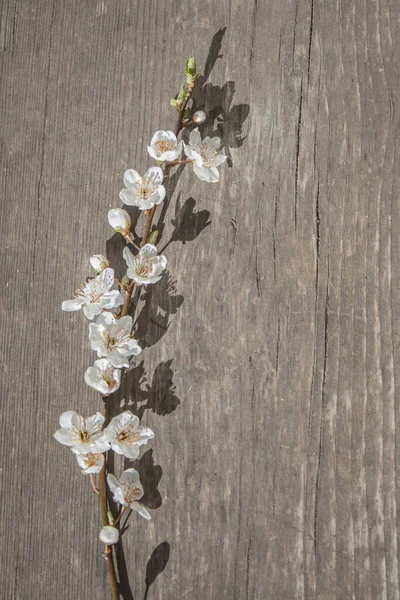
[{"x": 110, "y": 330}]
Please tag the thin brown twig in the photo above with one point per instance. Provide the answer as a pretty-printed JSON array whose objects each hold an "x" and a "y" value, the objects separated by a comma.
[
  {"x": 96, "y": 491},
  {"x": 128, "y": 239},
  {"x": 121, "y": 512},
  {"x": 178, "y": 127},
  {"x": 108, "y": 553}
]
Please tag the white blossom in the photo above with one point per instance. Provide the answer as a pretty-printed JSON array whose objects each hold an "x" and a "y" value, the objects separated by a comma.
[
  {"x": 143, "y": 192},
  {"x": 95, "y": 295},
  {"x": 109, "y": 535},
  {"x": 199, "y": 117},
  {"x": 111, "y": 338},
  {"x": 103, "y": 377},
  {"x": 128, "y": 491},
  {"x": 125, "y": 434},
  {"x": 119, "y": 220},
  {"x": 164, "y": 146},
  {"x": 99, "y": 262},
  {"x": 147, "y": 266},
  {"x": 205, "y": 156},
  {"x": 89, "y": 463},
  {"x": 83, "y": 435}
]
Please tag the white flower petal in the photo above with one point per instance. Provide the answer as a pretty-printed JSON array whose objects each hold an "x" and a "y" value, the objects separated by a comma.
[
  {"x": 67, "y": 418},
  {"x": 213, "y": 143},
  {"x": 112, "y": 299},
  {"x": 129, "y": 258},
  {"x": 75, "y": 304},
  {"x": 129, "y": 197},
  {"x": 152, "y": 153},
  {"x": 91, "y": 310},
  {"x": 113, "y": 482},
  {"x": 64, "y": 436},
  {"x": 125, "y": 323},
  {"x": 195, "y": 139},
  {"x": 134, "y": 348},
  {"x": 117, "y": 359},
  {"x": 219, "y": 159},
  {"x": 156, "y": 173},
  {"x": 130, "y": 477},
  {"x": 159, "y": 195},
  {"x": 130, "y": 177},
  {"x": 148, "y": 250},
  {"x": 139, "y": 508}
]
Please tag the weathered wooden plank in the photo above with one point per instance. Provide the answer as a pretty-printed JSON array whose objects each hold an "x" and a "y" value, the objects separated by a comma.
[{"x": 270, "y": 369}]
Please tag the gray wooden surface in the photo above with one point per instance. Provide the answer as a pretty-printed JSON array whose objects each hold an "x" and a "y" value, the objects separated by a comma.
[{"x": 270, "y": 373}]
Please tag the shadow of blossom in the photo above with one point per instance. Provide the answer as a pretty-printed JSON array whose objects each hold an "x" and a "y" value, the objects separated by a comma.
[
  {"x": 160, "y": 302},
  {"x": 159, "y": 396},
  {"x": 188, "y": 223},
  {"x": 157, "y": 303},
  {"x": 156, "y": 565}
]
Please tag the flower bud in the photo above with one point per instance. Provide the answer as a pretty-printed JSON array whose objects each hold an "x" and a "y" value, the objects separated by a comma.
[
  {"x": 109, "y": 535},
  {"x": 199, "y": 117},
  {"x": 119, "y": 220},
  {"x": 99, "y": 262},
  {"x": 153, "y": 235},
  {"x": 191, "y": 66}
]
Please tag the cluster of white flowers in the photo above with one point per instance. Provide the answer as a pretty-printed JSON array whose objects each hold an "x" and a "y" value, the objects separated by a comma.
[{"x": 105, "y": 302}]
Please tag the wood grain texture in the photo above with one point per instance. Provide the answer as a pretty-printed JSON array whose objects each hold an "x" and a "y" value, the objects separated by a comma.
[{"x": 270, "y": 370}]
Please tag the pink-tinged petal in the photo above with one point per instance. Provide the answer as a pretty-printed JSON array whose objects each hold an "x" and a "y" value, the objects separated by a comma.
[{"x": 75, "y": 304}]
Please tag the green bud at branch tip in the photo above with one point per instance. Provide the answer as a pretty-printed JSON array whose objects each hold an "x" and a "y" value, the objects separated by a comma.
[{"x": 153, "y": 237}]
